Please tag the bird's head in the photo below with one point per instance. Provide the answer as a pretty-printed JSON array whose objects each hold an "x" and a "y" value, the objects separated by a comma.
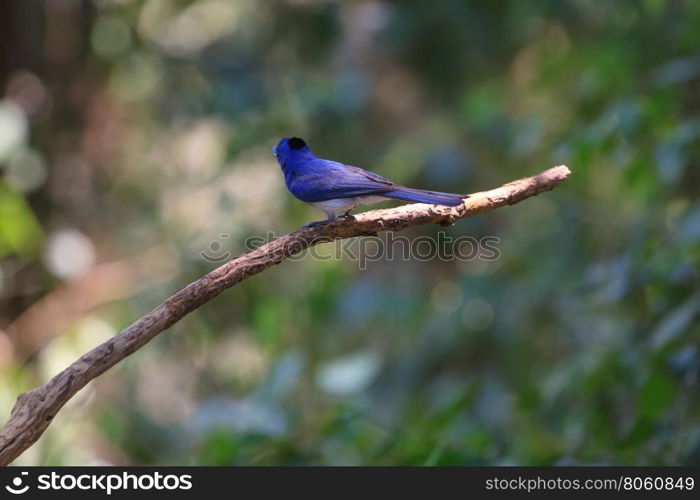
[{"x": 290, "y": 148}]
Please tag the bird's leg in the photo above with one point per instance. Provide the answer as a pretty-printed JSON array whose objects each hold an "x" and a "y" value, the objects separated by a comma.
[{"x": 331, "y": 218}]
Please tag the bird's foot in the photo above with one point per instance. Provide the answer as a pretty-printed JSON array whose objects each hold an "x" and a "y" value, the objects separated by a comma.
[
  {"x": 315, "y": 223},
  {"x": 318, "y": 224},
  {"x": 347, "y": 216}
]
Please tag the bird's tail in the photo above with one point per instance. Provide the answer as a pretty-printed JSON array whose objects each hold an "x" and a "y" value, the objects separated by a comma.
[{"x": 422, "y": 196}]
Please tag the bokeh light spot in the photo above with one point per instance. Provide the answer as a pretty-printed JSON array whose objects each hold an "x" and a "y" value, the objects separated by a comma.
[
  {"x": 13, "y": 127},
  {"x": 477, "y": 314},
  {"x": 69, "y": 253},
  {"x": 110, "y": 37},
  {"x": 26, "y": 170}
]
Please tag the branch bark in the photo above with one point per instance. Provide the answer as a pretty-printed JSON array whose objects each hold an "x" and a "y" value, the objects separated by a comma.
[{"x": 35, "y": 409}]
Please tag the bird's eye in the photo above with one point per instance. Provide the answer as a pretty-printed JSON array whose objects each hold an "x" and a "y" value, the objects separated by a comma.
[{"x": 296, "y": 143}]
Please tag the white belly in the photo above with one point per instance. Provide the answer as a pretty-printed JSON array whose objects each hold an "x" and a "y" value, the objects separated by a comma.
[{"x": 341, "y": 205}]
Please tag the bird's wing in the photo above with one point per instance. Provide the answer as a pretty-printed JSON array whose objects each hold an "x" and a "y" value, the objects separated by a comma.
[
  {"x": 375, "y": 178},
  {"x": 323, "y": 180}
]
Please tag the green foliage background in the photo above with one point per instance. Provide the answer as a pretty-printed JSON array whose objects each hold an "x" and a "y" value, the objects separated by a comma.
[{"x": 138, "y": 135}]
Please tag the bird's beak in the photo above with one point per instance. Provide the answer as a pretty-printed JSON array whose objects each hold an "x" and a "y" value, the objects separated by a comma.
[{"x": 274, "y": 151}]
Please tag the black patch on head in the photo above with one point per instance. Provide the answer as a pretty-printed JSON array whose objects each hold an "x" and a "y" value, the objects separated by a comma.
[{"x": 296, "y": 143}]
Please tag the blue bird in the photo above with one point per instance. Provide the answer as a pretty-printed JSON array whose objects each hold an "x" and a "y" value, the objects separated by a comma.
[{"x": 336, "y": 188}]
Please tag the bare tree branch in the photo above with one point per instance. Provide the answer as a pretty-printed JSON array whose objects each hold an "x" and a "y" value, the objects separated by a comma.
[{"x": 35, "y": 409}]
